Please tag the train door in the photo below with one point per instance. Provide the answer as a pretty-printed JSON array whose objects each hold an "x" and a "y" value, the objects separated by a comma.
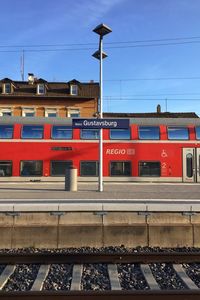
[{"x": 191, "y": 164}]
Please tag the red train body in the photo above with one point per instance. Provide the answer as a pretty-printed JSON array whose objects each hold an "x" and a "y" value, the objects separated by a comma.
[{"x": 132, "y": 159}]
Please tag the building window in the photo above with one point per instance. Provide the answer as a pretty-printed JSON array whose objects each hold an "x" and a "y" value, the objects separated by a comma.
[
  {"x": 61, "y": 132},
  {"x": 58, "y": 168},
  {"x": 6, "y": 131},
  {"x": 7, "y": 88},
  {"x": 5, "y": 112},
  {"x": 41, "y": 89},
  {"x": 120, "y": 168},
  {"x": 149, "y": 132},
  {"x": 31, "y": 168},
  {"x": 5, "y": 168},
  {"x": 120, "y": 134},
  {"x": 149, "y": 168},
  {"x": 28, "y": 112},
  {"x": 74, "y": 113},
  {"x": 197, "y": 129},
  {"x": 51, "y": 112},
  {"x": 89, "y": 168},
  {"x": 90, "y": 134},
  {"x": 74, "y": 89},
  {"x": 32, "y": 132},
  {"x": 178, "y": 133}
]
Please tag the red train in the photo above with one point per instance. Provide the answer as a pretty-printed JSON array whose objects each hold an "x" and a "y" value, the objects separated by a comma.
[{"x": 153, "y": 149}]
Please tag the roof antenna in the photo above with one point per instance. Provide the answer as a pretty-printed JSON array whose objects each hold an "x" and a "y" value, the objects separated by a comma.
[{"x": 22, "y": 65}]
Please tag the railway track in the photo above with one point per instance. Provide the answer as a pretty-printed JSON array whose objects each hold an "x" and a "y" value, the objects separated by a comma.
[{"x": 127, "y": 276}]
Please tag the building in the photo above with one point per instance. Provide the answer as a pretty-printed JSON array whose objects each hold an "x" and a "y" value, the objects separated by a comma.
[{"x": 39, "y": 98}]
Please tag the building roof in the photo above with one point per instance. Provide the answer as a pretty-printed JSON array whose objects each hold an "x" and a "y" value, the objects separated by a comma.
[
  {"x": 53, "y": 89},
  {"x": 151, "y": 115}
]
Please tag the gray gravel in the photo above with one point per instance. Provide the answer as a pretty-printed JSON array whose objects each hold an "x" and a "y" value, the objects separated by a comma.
[
  {"x": 59, "y": 277},
  {"x": 23, "y": 277},
  {"x": 95, "y": 277},
  {"x": 131, "y": 277},
  {"x": 166, "y": 277},
  {"x": 193, "y": 271}
]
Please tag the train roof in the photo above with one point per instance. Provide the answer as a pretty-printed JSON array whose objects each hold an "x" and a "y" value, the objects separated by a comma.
[{"x": 68, "y": 121}]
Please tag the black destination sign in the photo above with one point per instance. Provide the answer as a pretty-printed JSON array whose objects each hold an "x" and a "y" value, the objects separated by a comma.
[{"x": 100, "y": 123}]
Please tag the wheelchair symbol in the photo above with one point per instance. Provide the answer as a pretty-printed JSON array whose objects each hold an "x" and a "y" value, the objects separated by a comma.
[{"x": 164, "y": 153}]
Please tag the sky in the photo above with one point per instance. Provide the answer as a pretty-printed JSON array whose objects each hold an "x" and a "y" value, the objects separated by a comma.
[{"x": 153, "y": 50}]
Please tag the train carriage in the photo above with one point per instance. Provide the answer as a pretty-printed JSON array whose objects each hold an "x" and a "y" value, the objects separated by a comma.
[{"x": 151, "y": 150}]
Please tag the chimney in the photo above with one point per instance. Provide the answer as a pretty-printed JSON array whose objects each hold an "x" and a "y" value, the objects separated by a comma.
[
  {"x": 31, "y": 78},
  {"x": 91, "y": 81},
  {"x": 158, "y": 109}
]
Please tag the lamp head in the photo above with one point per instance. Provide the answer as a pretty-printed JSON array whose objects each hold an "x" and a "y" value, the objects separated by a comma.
[{"x": 102, "y": 29}]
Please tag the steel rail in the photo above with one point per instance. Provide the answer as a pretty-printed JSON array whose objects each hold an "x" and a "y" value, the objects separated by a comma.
[
  {"x": 50, "y": 258},
  {"x": 103, "y": 295}
]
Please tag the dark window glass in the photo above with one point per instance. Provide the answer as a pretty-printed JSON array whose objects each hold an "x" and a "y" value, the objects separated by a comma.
[
  {"x": 52, "y": 115},
  {"x": 6, "y": 131},
  {"x": 6, "y": 113},
  {"x": 89, "y": 168},
  {"x": 32, "y": 132},
  {"x": 197, "y": 133},
  {"x": 120, "y": 134},
  {"x": 149, "y": 132},
  {"x": 58, "y": 168},
  {"x": 61, "y": 132},
  {"x": 5, "y": 168},
  {"x": 149, "y": 168},
  {"x": 29, "y": 114},
  {"x": 31, "y": 168},
  {"x": 189, "y": 165},
  {"x": 178, "y": 133},
  {"x": 120, "y": 168},
  {"x": 90, "y": 134},
  {"x": 7, "y": 88}
]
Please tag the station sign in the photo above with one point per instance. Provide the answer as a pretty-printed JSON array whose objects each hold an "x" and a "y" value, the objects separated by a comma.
[{"x": 100, "y": 123}]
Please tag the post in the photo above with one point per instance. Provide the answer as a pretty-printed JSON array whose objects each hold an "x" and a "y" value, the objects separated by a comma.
[{"x": 101, "y": 116}]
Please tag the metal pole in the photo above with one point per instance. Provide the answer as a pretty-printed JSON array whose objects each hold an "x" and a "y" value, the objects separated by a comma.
[{"x": 101, "y": 116}]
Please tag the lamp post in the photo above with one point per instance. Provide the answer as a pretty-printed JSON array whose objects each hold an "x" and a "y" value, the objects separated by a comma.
[{"x": 101, "y": 30}]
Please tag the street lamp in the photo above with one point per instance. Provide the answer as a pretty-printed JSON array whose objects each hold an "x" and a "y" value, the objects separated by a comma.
[{"x": 101, "y": 30}]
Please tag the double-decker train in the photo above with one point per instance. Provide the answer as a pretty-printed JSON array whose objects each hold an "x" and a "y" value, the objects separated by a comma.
[{"x": 151, "y": 149}]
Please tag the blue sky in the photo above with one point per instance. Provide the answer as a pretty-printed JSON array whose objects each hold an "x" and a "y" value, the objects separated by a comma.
[{"x": 137, "y": 75}]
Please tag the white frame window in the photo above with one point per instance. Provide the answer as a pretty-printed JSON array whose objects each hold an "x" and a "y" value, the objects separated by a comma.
[
  {"x": 73, "y": 112},
  {"x": 74, "y": 89},
  {"x": 49, "y": 112},
  {"x": 28, "y": 112},
  {"x": 40, "y": 89},
  {"x": 7, "y": 88},
  {"x": 6, "y": 111}
]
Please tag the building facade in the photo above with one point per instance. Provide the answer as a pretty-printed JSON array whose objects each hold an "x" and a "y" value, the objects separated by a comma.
[{"x": 39, "y": 98}]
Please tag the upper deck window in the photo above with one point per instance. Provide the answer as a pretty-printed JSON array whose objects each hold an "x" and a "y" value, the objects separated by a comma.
[
  {"x": 6, "y": 131},
  {"x": 61, "y": 132},
  {"x": 41, "y": 88},
  {"x": 74, "y": 89},
  {"x": 197, "y": 129},
  {"x": 178, "y": 133},
  {"x": 32, "y": 132},
  {"x": 90, "y": 134},
  {"x": 149, "y": 132},
  {"x": 7, "y": 88},
  {"x": 120, "y": 134}
]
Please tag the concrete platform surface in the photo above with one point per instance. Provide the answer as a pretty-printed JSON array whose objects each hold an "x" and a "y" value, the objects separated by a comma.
[{"x": 120, "y": 191}]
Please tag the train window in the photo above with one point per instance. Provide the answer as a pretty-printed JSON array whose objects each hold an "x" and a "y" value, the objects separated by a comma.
[
  {"x": 61, "y": 132},
  {"x": 120, "y": 168},
  {"x": 120, "y": 134},
  {"x": 149, "y": 132},
  {"x": 6, "y": 131},
  {"x": 90, "y": 134},
  {"x": 197, "y": 129},
  {"x": 149, "y": 168},
  {"x": 178, "y": 133},
  {"x": 31, "y": 168},
  {"x": 58, "y": 168},
  {"x": 32, "y": 132},
  {"x": 89, "y": 168},
  {"x": 5, "y": 168}
]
